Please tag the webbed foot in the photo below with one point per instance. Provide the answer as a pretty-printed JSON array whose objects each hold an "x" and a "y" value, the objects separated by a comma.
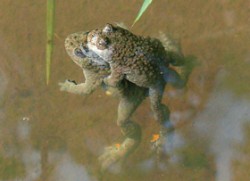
[
  {"x": 163, "y": 141},
  {"x": 117, "y": 152},
  {"x": 158, "y": 145}
]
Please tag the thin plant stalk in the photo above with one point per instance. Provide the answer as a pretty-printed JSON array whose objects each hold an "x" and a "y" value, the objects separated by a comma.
[
  {"x": 50, "y": 33},
  {"x": 145, "y": 5}
]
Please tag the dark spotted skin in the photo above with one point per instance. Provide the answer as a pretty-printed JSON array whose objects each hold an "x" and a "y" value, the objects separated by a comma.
[
  {"x": 142, "y": 61},
  {"x": 95, "y": 70},
  {"x": 129, "y": 94}
]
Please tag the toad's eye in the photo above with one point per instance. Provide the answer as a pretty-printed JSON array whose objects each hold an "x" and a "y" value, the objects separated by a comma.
[
  {"x": 78, "y": 52},
  {"x": 108, "y": 29}
]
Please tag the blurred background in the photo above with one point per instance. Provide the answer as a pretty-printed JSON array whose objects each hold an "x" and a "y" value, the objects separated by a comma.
[{"x": 50, "y": 135}]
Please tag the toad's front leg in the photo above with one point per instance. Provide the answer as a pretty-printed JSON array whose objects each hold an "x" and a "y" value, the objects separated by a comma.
[
  {"x": 82, "y": 88},
  {"x": 115, "y": 77},
  {"x": 92, "y": 81}
]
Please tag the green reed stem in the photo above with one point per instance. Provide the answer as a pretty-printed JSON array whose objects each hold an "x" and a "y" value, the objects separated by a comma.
[
  {"x": 145, "y": 5},
  {"x": 50, "y": 33}
]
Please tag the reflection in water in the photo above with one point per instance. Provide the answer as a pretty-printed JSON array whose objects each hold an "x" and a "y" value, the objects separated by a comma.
[
  {"x": 31, "y": 159},
  {"x": 67, "y": 170},
  {"x": 170, "y": 148},
  {"x": 23, "y": 129},
  {"x": 221, "y": 124},
  {"x": 64, "y": 168},
  {"x": 3, "y": 84}
]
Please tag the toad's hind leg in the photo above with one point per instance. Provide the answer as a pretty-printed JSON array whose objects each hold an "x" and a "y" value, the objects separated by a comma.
[
  {"x": 161, "y": 114},
  {"x": 130, "y": 129}
]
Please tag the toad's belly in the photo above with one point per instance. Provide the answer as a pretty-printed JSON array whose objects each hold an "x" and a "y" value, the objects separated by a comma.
[{"x": 143, "y": 79}]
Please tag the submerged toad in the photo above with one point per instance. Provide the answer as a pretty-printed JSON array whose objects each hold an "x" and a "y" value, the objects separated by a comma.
[
  {"x": 130, "y": 95},
  {"x": 96, "y": 68},
  {"x": 92, "y": 70},
  {"x": 142, "y": 61}
]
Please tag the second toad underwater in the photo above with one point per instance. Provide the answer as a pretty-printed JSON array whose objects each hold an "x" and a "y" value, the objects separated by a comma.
[{"x": 133, "y": 67}]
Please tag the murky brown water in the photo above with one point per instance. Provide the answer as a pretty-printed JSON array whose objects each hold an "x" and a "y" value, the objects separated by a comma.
[{"x": 50, "y": 135}]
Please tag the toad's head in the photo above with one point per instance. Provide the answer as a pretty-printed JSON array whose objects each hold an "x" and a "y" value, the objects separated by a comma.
[
  {"x": 76, "y": 47},
  {"x": 108, "y": 41}
]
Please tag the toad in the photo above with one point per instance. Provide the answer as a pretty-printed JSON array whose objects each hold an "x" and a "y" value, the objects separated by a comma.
[
  {"x": 95, "y": 70},
  {"x": 142, "y": 61},
  {"x": 130, "y": 95}
]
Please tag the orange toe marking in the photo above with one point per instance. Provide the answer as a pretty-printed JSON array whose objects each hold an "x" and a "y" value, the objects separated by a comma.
[
  {"x": 117, "y": 145},
  {"x": 155, "y": 137}
]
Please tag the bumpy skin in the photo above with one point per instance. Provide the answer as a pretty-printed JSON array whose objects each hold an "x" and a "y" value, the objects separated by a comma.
[
  {"x": 95, "y": 69},
  {"x": 129, "y": 94},
  {"x": 93, "y": 72},
  {"x": 138, "y": 59},
  {"x": 142, "y": 61}
]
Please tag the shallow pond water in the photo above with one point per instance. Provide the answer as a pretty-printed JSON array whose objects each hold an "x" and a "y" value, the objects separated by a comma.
[{"x": 50, "y": 135}]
